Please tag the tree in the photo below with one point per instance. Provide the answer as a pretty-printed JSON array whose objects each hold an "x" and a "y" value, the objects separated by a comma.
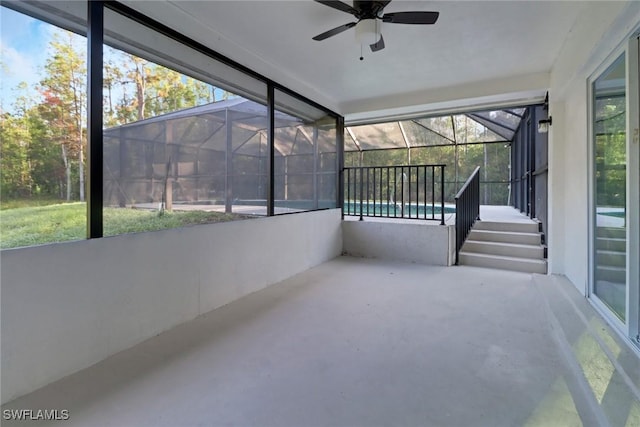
[
  {"x": 113, "y": 78},
  {"x": 156, "y": 89},
  {"x": 43, "y": 140},
  {"x": 14, "y": 142},
  {"x": 64, "y": 105}
]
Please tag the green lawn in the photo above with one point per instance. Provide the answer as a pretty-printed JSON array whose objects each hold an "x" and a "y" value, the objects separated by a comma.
[
  {"x": 28, "y": 202},
  {"x": 27, "y": 226}
]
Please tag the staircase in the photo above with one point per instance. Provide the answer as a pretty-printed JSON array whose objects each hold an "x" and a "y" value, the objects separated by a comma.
[
  {"x": 515, "y": 246},
  {"x": 611, "y": 254}
]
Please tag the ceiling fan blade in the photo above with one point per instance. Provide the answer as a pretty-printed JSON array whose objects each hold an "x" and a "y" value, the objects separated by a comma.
[
  {"x": 379, "y": 45},
  {"x": 334, "y": 31},
  {"x": 411, "y": 17},
  {"x": 338, "y": 5}
]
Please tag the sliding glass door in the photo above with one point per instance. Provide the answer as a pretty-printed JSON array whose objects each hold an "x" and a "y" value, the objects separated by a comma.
[
  {"x": 615, "y": 186},
  {"x": 609, "y": 151}
]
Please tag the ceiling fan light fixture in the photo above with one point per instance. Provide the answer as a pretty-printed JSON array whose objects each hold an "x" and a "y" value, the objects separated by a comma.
[
  {"x": 369, "y": 16},
  {"x": 367, "y": 31}
]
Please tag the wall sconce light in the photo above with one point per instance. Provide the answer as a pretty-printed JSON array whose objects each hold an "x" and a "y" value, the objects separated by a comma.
[{"x": 543, "y": 125}]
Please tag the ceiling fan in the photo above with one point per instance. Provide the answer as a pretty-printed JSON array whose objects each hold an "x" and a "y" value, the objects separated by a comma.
[{"x": 368, "y": 14}]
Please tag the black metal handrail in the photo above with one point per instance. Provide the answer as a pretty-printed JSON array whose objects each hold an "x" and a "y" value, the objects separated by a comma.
[
  {"x": 467, "y": 208},
  {"x": 412, "y": 192}
]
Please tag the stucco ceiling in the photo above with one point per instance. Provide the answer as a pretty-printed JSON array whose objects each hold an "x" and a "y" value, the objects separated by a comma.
[{"x": 479, "y": 52}]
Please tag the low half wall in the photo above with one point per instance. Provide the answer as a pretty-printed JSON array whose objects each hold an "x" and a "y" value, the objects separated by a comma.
[
  {"x": 67, "y": 306},
  {"x": 404, "y": 240}
]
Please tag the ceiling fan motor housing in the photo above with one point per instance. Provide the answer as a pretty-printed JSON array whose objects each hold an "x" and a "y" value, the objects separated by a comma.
[{"x": 369, "y": 9}]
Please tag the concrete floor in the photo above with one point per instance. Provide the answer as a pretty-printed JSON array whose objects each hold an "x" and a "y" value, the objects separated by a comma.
[
  {"x": 358, "y": 342},
  {"x": 503, "y": 214}
]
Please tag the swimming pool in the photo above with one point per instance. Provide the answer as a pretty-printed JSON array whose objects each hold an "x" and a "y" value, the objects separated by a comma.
[{"x": 394, "y": 210}]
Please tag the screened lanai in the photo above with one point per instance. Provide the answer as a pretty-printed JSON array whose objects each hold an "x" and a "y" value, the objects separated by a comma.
[
  {"x": 460, "y": 141},
  {"x": 215, "y": 157}
]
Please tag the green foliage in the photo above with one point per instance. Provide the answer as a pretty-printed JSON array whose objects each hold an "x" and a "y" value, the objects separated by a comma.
[
  {"x": 14, "y": 162},
  {"x": 610, "y": 151},
  {"x": 137, "y": 89},
  {"x": 43, "y": 141},
  {"x": 27, "y": 226},
  {"x": 63, "y": 107}
]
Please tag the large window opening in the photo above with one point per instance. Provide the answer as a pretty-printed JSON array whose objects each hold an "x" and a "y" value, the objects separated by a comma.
[
  {"x": 186, "y": 138},
  {"x": 43, "y": 107},
  {"x": 305, "y": 156},
  {"x": 183, "y": 144}
]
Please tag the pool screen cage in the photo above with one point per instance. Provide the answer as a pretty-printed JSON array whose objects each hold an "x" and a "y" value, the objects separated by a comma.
[
  {"x": 215, "y": 157},
  {"x": 460, "y": 141}
]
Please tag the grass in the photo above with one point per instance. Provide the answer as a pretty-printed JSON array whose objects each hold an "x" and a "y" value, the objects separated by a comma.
[
  {"x": 28, "y": 202},
  {"x": 34, "y": 225}
]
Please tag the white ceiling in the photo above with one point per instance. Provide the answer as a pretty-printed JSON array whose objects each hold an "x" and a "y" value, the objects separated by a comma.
[{"x": 479, "y": 52}]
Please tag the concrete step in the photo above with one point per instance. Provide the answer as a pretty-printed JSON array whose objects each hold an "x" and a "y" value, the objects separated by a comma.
[
  {"x": 611, "y": 274},
  {"x": 505, "y": 237},
  {"x": 611, "y": 244},
  {"x": 504, "y": 262},
  {"x": 611, "y": 258},
  {"x": 519, "y": 227},
  {"x": 611, "y": 232},
  {"x": 505, "y": 249}
]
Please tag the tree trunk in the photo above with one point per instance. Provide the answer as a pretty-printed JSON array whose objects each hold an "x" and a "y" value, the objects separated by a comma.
[
  {"x": 67, "y": 171},
  {"x": 77, "y": 103},
  {"x": 140, "y": 90},
  {"x": 80, "y": 161},
  {"x": 141, "y": 101},
  {"x": 81, "y": 171}
]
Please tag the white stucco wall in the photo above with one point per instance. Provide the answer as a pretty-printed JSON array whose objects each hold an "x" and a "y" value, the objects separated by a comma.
[
  {"x": 416, "y": 241},
  {"x": 575, "y": 177},
  {"x": 598, "y": 31},
  {"x": 67, "y": 306}
]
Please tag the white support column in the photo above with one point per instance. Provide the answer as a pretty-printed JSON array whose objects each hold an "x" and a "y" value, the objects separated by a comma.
[{"x": 556, "y": 189}]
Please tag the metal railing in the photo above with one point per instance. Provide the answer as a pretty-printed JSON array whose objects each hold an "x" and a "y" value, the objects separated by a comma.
[
  {"x": 412, "y": 192},
  {"x": 467, "y": 208}
]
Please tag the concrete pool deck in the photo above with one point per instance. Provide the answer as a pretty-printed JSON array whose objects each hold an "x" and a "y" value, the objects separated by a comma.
[{"x": 487, "y": 213}]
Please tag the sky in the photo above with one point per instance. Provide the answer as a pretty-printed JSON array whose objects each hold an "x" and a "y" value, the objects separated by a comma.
[
  {"x": 24, "y": 43},
  {"x": 23, "y": 46}
]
